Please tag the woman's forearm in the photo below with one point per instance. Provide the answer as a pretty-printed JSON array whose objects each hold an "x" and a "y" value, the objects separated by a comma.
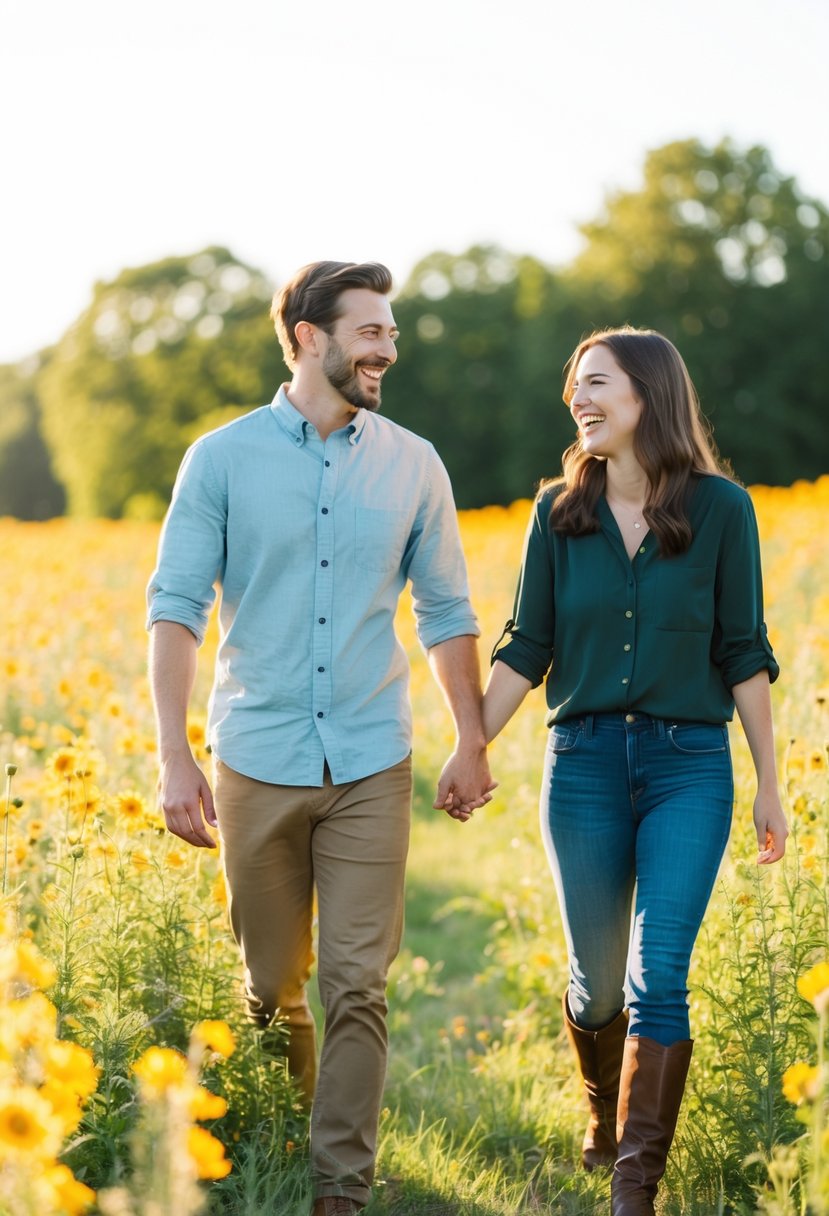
[
  {"x": 505, "y": 691},
  {"x": 753, "y": 701}
]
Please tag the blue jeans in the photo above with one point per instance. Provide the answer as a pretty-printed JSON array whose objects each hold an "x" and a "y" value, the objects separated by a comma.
[{"x": 635, "y": 815}]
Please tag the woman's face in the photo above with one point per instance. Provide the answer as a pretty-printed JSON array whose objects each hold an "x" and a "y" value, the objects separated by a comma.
[{"x": 603, "y": 404}]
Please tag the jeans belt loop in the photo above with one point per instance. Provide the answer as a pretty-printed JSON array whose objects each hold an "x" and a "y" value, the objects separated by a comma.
[
  {"x": 588, "y": 726},
  {"x": 659, "y": 723}
]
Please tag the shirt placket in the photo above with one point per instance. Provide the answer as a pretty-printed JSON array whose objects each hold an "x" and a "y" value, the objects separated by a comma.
[{"x": 323, "y": 645}]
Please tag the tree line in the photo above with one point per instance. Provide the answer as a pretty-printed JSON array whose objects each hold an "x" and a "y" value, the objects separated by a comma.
[{"x": 716, "y": 249}]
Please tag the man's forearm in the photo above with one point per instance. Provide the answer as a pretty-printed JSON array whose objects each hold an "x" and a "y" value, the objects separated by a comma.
[
  {"x": 457, "y": 670},
  {"x": 172, "y": 670}
]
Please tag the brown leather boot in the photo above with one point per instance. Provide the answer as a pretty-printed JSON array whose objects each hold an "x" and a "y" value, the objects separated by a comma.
[
  {"x": 599, "y": 1056},
  {"x": 335, "y": 1205},
  {"x": 650, "y": 1094}
]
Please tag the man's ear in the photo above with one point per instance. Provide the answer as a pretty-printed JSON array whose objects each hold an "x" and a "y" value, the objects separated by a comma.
[{"x": 308, "y": 337}]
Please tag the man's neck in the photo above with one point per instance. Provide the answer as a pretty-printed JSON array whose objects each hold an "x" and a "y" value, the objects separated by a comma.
[{"x": 323, "y": 407}]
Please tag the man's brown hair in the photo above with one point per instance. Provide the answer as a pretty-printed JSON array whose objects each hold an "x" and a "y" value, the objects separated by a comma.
[{"x": 313, "y": 295}]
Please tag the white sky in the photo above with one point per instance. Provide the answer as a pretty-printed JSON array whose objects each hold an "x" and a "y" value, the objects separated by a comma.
[{"x": 326, "y": 129}]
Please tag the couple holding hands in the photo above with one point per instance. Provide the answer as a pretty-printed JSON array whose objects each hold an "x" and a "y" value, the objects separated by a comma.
[{"x": 639, "y": 601}]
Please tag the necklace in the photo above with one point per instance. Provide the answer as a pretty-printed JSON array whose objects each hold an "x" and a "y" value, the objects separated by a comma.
[{"x": 613, "y": 502}]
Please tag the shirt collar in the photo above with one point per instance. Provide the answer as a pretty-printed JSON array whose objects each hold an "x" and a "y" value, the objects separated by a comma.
[{"x": 295, "y": 424}]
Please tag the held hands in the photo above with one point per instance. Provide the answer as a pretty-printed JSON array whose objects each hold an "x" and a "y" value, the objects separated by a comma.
[
  {"x": 465, "y": 783},
  {"x": 186, "y": 800},
  {"x": 771, "y": 826}
]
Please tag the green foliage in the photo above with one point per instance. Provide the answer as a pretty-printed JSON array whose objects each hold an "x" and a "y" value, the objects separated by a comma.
[
  {"x": 716, "y": 248},
  {"x": 28, "y": 489},
  {"x": 723, "y": 254},
  {"x": 159, "y": 349}
]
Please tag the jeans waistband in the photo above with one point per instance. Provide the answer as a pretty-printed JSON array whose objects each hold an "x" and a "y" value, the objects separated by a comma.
[{"x": 634, "y": 720}]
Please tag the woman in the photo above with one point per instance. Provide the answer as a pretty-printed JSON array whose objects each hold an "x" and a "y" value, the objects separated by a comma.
[{"x": 640, "y": 594}]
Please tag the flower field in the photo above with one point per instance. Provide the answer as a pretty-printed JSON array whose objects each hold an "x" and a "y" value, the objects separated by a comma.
[{"x": 129, "y": 1083}]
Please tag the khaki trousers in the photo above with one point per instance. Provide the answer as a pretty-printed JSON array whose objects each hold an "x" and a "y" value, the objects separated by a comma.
[{"x": 350, "y": 842}]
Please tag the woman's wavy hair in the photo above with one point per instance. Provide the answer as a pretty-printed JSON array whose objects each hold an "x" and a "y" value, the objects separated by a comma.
[{"x": 672, "y": 441}]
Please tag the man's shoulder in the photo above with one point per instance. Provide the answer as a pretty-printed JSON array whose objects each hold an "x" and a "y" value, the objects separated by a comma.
[
  {"x": 241, "y": 428},
  {"x": 380, "y": 427}
]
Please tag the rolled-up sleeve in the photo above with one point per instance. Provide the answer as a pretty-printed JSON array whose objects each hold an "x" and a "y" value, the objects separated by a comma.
[
  {"x": 434, "y": 562},
  {"x": 191, "y": 550},
  {"x": 529, "y": 650},
  {"x": 740, "y": 645}
]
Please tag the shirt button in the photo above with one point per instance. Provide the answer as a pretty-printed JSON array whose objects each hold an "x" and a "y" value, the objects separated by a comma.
[
  {"x": 642, "y": 550},
  {"x": 323, "y": 563},
  {"x": 320, "y": 714},
  {"x": 322, "y": 620},
  {"x": 320, "y": 669},
  {"x": 628, "y": 614},
  {"x": 625, "y": 680},
  {"x": 325, "y": 510},
  {"x": 627, "y": 645},
  {"x": 630, "y": 717},
  {"x": 328, "y": 464}
]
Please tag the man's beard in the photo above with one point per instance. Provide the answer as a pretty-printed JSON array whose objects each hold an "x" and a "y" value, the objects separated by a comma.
[{"x": 342, "y": 375}]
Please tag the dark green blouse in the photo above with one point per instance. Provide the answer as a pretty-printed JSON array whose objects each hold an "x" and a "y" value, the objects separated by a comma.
[{"x": 667, "y": 636}]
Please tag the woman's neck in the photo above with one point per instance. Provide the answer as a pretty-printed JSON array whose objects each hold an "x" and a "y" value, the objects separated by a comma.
[{"x": 627, "y": 484}]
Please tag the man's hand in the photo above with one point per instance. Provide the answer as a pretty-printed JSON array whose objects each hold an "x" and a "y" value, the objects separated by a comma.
[
  {"x": 186, "y": 800},
  {"x": 465, "y": 784}
]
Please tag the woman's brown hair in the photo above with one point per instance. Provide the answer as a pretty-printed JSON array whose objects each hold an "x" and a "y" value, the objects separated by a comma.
[{"x": 672, "y": 441}]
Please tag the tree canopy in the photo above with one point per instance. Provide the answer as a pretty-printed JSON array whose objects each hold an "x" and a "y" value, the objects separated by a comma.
[{"x": 715, "y": 248}]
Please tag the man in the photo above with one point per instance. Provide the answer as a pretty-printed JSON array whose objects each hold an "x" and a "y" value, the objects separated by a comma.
[{"x": 311, "y": 514}]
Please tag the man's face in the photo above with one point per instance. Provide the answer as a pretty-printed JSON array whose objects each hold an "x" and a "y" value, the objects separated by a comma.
[{"x": 360, "y": 347}]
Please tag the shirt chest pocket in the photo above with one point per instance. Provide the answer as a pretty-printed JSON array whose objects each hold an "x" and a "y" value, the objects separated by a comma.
[
  {"x": 685, "y": 598},
  {"x": 380, "y": 538}
]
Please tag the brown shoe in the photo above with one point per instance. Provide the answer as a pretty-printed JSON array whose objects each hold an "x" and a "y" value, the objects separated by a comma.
[
  {"x": 650, "y": 1095},
  {"x": 335, "y": 1205},
  {"x": 599, "y": 1056}
]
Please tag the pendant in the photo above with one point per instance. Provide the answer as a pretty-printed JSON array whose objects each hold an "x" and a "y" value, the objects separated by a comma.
[{"x": 636, "y": 524}]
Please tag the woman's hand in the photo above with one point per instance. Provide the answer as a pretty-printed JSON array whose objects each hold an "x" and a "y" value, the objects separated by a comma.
[{"x": 770, "y": 824}]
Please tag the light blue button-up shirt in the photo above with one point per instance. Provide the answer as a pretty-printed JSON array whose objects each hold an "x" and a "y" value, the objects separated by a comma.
[{"x": 311, "y": 543}]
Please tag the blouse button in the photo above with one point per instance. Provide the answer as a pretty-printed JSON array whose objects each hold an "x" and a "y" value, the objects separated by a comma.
[
  {"x": 625, "y": 680},
  {"x": 628, "y": 614},
  {"x": 627, "y": 645}
]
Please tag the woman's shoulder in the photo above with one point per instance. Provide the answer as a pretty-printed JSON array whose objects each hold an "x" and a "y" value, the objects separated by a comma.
[
  {"x": 548, "y": 491},
  {"x": 718, "y": 490}
]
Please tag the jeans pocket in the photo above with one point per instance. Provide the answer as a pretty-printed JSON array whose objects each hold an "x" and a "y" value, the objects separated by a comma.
[
  {"x": 565, "y": 737},
  {"x": 698, "y": 738}
]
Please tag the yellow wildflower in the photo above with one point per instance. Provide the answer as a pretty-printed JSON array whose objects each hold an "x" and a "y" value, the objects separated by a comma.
[
  {"x": 800, "y": 1082},
  {"x": 175, "y": 859},
  {"x": 160, "y": 1069},
  {"x": 206, "y": 1105},
  {"x": 217, "y": 1036},
  {"x": 208, "y": 1154},
  {"x": 130, "y": 806},
  {"x": 140, "y": 861},
  {"x": 63, "y": 762},
  {"x": 27, "y": 1124},
  {"x": 72, "y": 1067},
  {"x": 21, "y": 963},
  {"x": 196, "y": 733},
  {"x": 66, "y": 1193},
  {"x": 814, "y": 985}
]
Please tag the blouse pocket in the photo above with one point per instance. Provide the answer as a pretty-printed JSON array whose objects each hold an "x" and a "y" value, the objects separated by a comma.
[
  {"x": 685, "y": 597},
  {"x": 381, "y": 537}
]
